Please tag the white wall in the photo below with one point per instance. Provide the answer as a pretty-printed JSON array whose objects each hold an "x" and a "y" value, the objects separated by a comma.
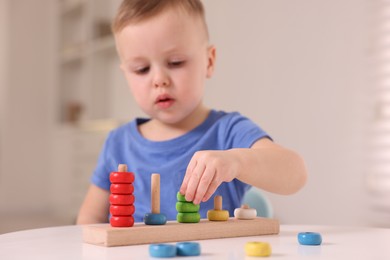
[
  {"x": 299, "y": 69},
  {"x": 25, "y": 125},
  {"x": 3, "y": 72}
]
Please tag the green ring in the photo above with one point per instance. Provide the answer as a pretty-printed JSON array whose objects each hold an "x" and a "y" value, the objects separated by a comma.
[
  {"x": 187, "y": 207},
  {"x": 188, "y": 217},
  {"x": 181, "y": 198}
]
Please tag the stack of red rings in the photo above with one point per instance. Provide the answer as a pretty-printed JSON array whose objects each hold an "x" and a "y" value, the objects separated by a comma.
[{"x": 122, "y": 198}]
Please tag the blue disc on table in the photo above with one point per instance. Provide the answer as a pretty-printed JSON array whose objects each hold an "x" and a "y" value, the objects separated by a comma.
[
  {"x": 155, "y": 219},
  {"x": 188, "y": 249},
  {"x": 309, "y": 238},
  {"x": 162, "y": 250}
]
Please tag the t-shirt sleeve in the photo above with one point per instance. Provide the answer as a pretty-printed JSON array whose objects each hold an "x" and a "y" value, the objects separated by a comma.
[
  {"x": 241, "y": 132},
  {"x": 101, "y": 174}
]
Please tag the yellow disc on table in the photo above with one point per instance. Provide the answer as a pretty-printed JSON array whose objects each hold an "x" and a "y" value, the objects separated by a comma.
[
  {"x": 217, "y": 215},
  {"x": 257, "y": 249}
]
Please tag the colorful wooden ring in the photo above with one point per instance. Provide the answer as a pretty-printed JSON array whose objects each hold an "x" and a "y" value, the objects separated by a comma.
[
  {"x": 257, "y": 249},
  {"x": 162, "y": 250},
  {"x": 187, "y": 207},
  {"x": 188, "y": 249},
  {"x": 122, "y": 221},
  {"x": 309, "y": 238},
  {"x": 217, "y": 215},
  {"x": 121, "y": 177},
  {"x": 119, "y": 199},
  {"x": 122, "y": 188},
  {"x": 181, "y": 198},
  {"x": 155, "y": 219},
  {"x": 122, "y": 210},
  {"x": 188, "y": 217},
  {"x": 245, "y": 213}
]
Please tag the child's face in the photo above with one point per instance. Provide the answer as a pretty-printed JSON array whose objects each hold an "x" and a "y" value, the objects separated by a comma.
[{"x": 166, "y": 60}]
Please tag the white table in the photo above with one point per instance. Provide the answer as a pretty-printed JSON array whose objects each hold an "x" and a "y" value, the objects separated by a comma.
[{"x": 338, "y": 243}]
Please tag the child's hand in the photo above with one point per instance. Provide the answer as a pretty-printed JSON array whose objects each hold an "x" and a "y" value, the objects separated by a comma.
[{"x": 206, "y": 171}]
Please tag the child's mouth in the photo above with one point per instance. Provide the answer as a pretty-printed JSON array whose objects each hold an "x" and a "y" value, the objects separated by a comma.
[{"x": 164, "y": 101}]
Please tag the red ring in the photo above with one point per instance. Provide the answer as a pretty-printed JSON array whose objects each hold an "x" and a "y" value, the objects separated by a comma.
[
  {"x": 122, "y": 221},
  {"x": 120, "y": 210},
  {"x": 122, "y": 177},
  {"x": 122, "y": 188},
  {"x": 119, "y": 199}
]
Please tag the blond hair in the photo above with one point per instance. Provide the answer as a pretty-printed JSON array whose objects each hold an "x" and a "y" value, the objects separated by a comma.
[{"x": 133, "y": 11}]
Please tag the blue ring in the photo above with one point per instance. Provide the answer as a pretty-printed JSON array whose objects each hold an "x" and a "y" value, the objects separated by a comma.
[
  {"x": 155, "y": 219},
  {"x": 188, "y": 249},
  {"x": 162, "y": 250},
  {"x": 309, "y": 238}
]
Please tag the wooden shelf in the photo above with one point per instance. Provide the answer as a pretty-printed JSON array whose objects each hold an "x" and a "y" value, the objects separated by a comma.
[
  {"x": 100, "y": 45},
  {"x": 79, "y": 52},
  {"x": 72, "y": 7}
]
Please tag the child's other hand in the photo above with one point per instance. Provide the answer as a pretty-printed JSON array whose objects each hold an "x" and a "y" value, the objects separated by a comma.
[{"x": 205, "y": 172}]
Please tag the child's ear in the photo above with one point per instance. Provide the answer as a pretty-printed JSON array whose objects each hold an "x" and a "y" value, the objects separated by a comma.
[{"x": 211, "y": 52}]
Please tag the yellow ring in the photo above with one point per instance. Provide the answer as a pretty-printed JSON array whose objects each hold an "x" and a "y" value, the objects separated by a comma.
[
  {"x": 257, "y": 249},
  {"x": 218, "y": 215}
]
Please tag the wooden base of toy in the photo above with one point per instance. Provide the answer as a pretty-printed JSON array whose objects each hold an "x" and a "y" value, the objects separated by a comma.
[{"x": 105, "y": 235}]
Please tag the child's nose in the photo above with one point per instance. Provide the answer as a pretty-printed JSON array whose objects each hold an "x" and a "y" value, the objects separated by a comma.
[{"x": 161, "y": 79}]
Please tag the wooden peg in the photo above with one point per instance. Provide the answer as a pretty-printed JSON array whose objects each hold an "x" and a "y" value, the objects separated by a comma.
[
  {"x": 122, "y": 176},
  {"x": 122, "y": 168},
  {"x": 155, "y": 217},
  {"x": 245, "y": 206},
  {"x": 155, "y": 193},
  {"x": 218, "y": 202},
  {"x": 218, "y": 214}
]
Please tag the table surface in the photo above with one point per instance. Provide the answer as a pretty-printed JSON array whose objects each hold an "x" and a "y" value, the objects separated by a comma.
[{"x": 338, "y": 243}]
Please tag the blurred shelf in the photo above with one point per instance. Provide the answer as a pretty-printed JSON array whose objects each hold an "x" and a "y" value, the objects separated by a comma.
[
  {"x": 81, "y": 51},
  {"x": 72, "y": 7}
]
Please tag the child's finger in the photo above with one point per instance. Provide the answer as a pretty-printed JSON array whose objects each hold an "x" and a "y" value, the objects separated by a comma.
[
  {"x": 184, "y": 185},
  {"x": 193, "y": 181},
  {"x": 211, "y": 189},
  {"x": 204, "y": 183}
]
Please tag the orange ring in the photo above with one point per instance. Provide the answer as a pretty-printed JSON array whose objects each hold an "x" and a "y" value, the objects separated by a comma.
[
  {"x": 122, "y": 188},
  {"x": 121, "y": 210},
  {"x": 122, "y": 177},
  {"x": 122, "y": 221},
  {"x": 119, "y": 199}
]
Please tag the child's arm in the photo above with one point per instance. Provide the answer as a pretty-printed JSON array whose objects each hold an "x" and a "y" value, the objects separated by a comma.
[
  {"x": 265, "y": 165},
  {"x": 95, "y": 207}
]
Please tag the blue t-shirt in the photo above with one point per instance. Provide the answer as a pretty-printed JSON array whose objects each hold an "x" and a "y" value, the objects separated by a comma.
[{"x": 125, "y": 145}]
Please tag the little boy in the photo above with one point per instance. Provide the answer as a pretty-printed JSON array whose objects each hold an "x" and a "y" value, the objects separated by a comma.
[{"x": 166, "y": 57}]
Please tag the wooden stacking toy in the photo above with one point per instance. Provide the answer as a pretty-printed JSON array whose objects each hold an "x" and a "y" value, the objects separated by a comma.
[
  {"x": 218, "y": 214},
  {"x": 188, "y": 212},
  {"x": 155, "y": 217},
  {"x": 121, "y": 197},
  {"x": 245, "y": 212}
]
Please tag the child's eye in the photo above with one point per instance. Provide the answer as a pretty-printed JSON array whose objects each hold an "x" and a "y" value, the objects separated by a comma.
[
  {"x": 143, "y": 70},
  {"x": 176, "y": 63}
]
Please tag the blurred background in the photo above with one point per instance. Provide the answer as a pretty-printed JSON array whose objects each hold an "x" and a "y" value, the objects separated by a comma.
[{"x": 312, "y": 73}]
